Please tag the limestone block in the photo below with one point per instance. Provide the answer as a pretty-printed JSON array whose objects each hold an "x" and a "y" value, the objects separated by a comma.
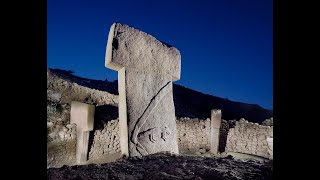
[
  {"x": 52, "y": 135},
  {"x": 49, "y": 124},
  {"x": 262, "y": 137},
  {"x": 61, "y": 134},
  {"x": 215, "y": 130},
  {"x": 64, "y": 129},
  {"x": 242, "y": 121},
  {"x": 146, "y": 68},
  {"x": 53, "y": 96},
  {"x": 83, "y": 116}
]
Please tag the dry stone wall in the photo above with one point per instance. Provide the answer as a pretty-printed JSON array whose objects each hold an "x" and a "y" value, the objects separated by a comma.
[
  {"x": 106, "y": 141},
  {"x": 64, "y": 91},
  {"x": 193, "y": 135},
  {"x": 61, "y": 135},
  {"x": 61, "y": 139},
  {"x": 61, "y": 153},
  {"x": 250, "y": 138},
  {"x": 270, "y": 147},
  {"x": 268, "y": 122}
]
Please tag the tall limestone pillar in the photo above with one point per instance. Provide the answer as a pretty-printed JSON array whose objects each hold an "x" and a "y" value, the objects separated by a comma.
[{"x": 146, "y": 69}]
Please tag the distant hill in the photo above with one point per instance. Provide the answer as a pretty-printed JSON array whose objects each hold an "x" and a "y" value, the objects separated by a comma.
[
  {"x": 111, "y": 87},
  {"x": 188, "y": 103},
  {"x": 193, "y": 104}
]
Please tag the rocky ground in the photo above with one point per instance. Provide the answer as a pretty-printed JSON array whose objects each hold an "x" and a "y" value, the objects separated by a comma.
[{"x": 167, "y": 166}]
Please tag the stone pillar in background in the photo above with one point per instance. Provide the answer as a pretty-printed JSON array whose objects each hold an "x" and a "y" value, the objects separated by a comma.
[
  {"x": 146, "y": 68},
  {"x": 270, "y": 147},
  {"x": 83, "y": 116},
  {"x": 215, "y": 124}
]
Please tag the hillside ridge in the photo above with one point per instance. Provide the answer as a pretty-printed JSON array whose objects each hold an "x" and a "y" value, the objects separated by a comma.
[{"x": 197, "y": 105}]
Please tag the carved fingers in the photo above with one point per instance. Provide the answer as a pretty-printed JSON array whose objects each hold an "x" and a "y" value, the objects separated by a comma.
[
  {"x": 163, "y": 136},
  {"x": 151, "y": 137}
]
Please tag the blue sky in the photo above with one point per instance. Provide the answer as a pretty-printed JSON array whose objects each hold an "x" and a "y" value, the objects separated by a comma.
[{"x": 225, "y": 45}]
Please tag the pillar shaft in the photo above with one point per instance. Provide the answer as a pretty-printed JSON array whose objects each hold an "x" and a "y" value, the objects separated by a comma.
[
  {"x": 215, "y": 124},
  {"x": 82, "y": 146}
]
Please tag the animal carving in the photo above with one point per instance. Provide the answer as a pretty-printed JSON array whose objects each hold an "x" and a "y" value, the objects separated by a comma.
[
  {"x": 155, "y": 134},
  {"x": 165, "y": 90}
]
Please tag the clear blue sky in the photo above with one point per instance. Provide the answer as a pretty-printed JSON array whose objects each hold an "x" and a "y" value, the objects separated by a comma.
[{"x": 225, "y": 45}]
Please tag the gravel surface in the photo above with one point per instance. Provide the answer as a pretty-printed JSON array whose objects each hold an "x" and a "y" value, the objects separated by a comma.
[{"x": 168, "y": 166}]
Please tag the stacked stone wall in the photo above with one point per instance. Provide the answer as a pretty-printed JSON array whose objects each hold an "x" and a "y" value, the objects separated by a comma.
[
  {"x": 250, "y": 138},
  {"x": 193, "y": 135},
  {"x": 105, "y": 141}
]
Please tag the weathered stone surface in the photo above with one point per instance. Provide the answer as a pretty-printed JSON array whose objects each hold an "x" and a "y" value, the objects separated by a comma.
[
  {"x": 132, "y": 48},
  {"x": 268, "y": 122},
  {"x": 49, "y": 124},
  {"x": 215, "y": 130},
  {"x": 83, "y": 116},
  {"x": 70, "y": 91},
  {"x": 251, "y": 139},
  {"x": 146, "y": 68},
  {"x": 53, "y": 96},
  {"x": 195, "y": 134}
]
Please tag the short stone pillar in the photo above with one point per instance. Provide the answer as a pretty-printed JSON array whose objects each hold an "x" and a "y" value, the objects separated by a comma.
[
  {"x": 146, "y": 69},
  {"x": 270, "y": 147},
  {"x": 83, "y": 116},
  {"x": 215, "y": 124}
]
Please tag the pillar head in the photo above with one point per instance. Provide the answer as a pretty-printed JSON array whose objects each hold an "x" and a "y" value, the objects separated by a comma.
[
  {"x": 82, "y": 115},
  {"x": 130, "y": 48},
  {"x": 216, "y": 118}
]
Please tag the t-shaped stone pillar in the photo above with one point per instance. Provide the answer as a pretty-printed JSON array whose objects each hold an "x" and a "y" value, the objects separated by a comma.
[
  {"x": 83, "y": 116},
  {"x": 146, "y": 68},
  {"x": 215, "y": 130}
]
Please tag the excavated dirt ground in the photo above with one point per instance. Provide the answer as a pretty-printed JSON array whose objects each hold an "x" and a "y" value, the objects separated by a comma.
[{"x": 167, "y": 166}]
